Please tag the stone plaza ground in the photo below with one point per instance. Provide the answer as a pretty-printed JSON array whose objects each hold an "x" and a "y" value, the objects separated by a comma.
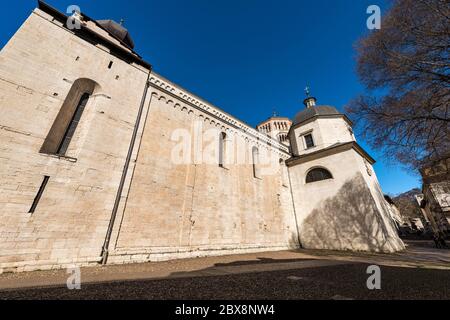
[{"x": 420, "y": 272}]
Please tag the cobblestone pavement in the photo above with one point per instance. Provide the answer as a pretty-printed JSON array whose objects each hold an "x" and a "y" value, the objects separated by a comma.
[{"x": 421, "y": 272}]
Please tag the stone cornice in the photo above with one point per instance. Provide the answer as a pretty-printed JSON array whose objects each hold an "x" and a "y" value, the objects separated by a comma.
[
  {"x": 340, "y": 147},
  {"x": 178, "y": 92}
]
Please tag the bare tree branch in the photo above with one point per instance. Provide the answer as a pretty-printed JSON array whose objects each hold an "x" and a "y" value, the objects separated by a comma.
[{"x": 409, "y": 61}]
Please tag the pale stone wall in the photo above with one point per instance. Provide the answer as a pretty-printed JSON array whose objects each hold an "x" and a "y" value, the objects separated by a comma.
[
  {"x": 37, "y": 69},
  {"x": 342, "y": 213},
  {"x": 178, "y": 210},
  {"x": 337, "y": 131}
]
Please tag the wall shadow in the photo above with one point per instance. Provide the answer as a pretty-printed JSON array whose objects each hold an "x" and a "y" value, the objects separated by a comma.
[{"x": 349, "y": 221}]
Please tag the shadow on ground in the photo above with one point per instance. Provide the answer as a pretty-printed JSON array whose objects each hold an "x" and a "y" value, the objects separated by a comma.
[{"x": 342, "y": 281}]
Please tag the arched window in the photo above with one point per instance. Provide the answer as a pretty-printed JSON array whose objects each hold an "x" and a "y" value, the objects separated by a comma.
[
  {"x": 222, "y": 148},
  {"x": 318, "y": 174},
  {"x": 255, "y": 161},
  {"x": 63, "y": 129}
]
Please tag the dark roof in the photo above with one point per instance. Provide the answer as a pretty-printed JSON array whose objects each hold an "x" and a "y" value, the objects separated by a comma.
[
  {"x": 117, "y": 31},
  {"x": 310, "y": 113}
]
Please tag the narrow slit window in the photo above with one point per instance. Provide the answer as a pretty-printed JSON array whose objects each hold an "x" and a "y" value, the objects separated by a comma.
[
  {"x": 62, "y": 149},
  {"x": 110, "y": 65},
  {"x": 39, "y": 195}
]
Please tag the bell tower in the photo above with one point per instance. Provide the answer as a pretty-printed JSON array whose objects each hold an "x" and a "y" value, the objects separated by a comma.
[{"x": 318, "y": 127}]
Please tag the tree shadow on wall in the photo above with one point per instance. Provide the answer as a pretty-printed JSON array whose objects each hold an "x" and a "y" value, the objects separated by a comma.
[{"x": 349, "y": 221}]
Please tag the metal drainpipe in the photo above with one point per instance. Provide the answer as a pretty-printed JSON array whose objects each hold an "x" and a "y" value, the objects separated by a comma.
[
  {"x": 124, "y": 173},
  {"x": 293, "y": 205}
]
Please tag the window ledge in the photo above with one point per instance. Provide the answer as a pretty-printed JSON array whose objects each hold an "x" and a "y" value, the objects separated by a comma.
[{"x": 60, "y": 157}]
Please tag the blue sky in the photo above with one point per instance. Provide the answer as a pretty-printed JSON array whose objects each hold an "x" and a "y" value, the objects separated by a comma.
[{"x": 248, "y": 57}]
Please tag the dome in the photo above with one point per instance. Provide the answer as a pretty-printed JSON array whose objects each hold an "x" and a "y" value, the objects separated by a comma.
[
  {"x": 117, "y": 31},
  {"x": 311, "y": 112}
]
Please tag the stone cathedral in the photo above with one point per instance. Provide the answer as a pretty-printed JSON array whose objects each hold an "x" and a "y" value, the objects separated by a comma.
[{"x": 99, "y": 162}]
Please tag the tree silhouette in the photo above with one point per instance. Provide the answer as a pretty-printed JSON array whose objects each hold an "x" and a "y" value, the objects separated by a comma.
[{"x": 405, "y": 66}]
